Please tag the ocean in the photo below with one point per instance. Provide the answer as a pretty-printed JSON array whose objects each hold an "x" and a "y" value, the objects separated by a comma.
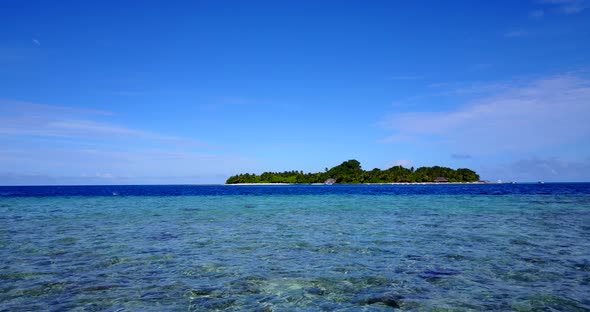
[{"x": 494, "y": 247}]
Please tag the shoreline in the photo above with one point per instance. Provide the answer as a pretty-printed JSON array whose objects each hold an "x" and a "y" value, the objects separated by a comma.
[{"x": 392, "y": 183}]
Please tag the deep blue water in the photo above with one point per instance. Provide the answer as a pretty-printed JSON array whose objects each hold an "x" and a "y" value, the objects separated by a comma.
[
  {"x": 206, "y": 190},
  {"x": 500, "y": 247}
]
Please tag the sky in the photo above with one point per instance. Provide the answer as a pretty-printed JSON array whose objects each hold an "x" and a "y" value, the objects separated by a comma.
[{"x": 191, "y": 92}]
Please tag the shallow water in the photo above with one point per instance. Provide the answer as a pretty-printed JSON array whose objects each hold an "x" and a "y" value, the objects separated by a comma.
[{"x": 425, "y": 248}]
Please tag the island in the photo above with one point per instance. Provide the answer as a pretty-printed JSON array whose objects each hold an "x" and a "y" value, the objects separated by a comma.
[{"x": 351, "y": 172}]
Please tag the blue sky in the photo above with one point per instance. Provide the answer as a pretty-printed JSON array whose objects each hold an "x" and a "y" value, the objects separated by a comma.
[{"x": 145, "y": 92}]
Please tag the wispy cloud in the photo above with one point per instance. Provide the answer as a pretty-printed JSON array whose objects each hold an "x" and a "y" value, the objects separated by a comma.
[
  {"x": 479, "y": 67},
  {"x": 46, "y": 144},
  {"x": 405, "y": 77},
  {"x": 56, "y": 165},
  {"x": 537, "y": 14},
  {"x": 236, "y": 100},
  {"x": 453, "y": 89},
  {"x": 219, "y": 103},
  {"x": 105, "y": 178},
  {"x": 27, "y": 108},
  {"x": 516, "y": 33},
  {"x": 534, "y": 168},
  {"x": 460, "y": 156},
  {"x": 116, "y": 165},
  {"x": 568, "y": 6},
  {"x": 36, "y": 42},
  {"x": 546, "y": 112},
  {"x": 39, "y": 120}
]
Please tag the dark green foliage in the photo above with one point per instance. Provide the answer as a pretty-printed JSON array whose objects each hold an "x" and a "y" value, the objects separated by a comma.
[{"x": 350, "y": 172}]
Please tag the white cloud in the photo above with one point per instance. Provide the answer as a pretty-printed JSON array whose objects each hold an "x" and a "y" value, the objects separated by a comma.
[
  {"x": 48, "y": 144},
  {"x": 28, "y": 119},
  {"x": 543, "y": 113},
  {"x": 447, "y": 89},
  {"x": 36, "y": 42},
  {"x": 568, "y": 6}
]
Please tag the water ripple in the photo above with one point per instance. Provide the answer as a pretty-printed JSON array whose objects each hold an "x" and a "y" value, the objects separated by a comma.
[{"x": 294, "y": 252}]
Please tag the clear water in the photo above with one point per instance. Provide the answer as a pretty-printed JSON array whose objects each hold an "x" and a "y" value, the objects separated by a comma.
[{"x": 425, "y": 248}]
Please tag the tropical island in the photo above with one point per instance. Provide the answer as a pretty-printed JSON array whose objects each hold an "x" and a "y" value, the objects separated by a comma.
[{"x": 351, "y": 172}]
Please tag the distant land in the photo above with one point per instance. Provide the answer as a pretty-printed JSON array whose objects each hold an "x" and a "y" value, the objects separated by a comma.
[{"x": 350, "y": 172}]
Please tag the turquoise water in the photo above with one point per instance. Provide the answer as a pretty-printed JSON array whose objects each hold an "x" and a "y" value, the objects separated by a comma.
[{"x": 323, "y": 252}]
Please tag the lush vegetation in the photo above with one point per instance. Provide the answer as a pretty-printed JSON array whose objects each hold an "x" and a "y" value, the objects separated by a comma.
[{"x": 351, "y": 172}]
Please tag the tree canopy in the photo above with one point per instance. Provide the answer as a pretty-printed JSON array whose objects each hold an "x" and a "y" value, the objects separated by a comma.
[{"x": 351, "y": 172}]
